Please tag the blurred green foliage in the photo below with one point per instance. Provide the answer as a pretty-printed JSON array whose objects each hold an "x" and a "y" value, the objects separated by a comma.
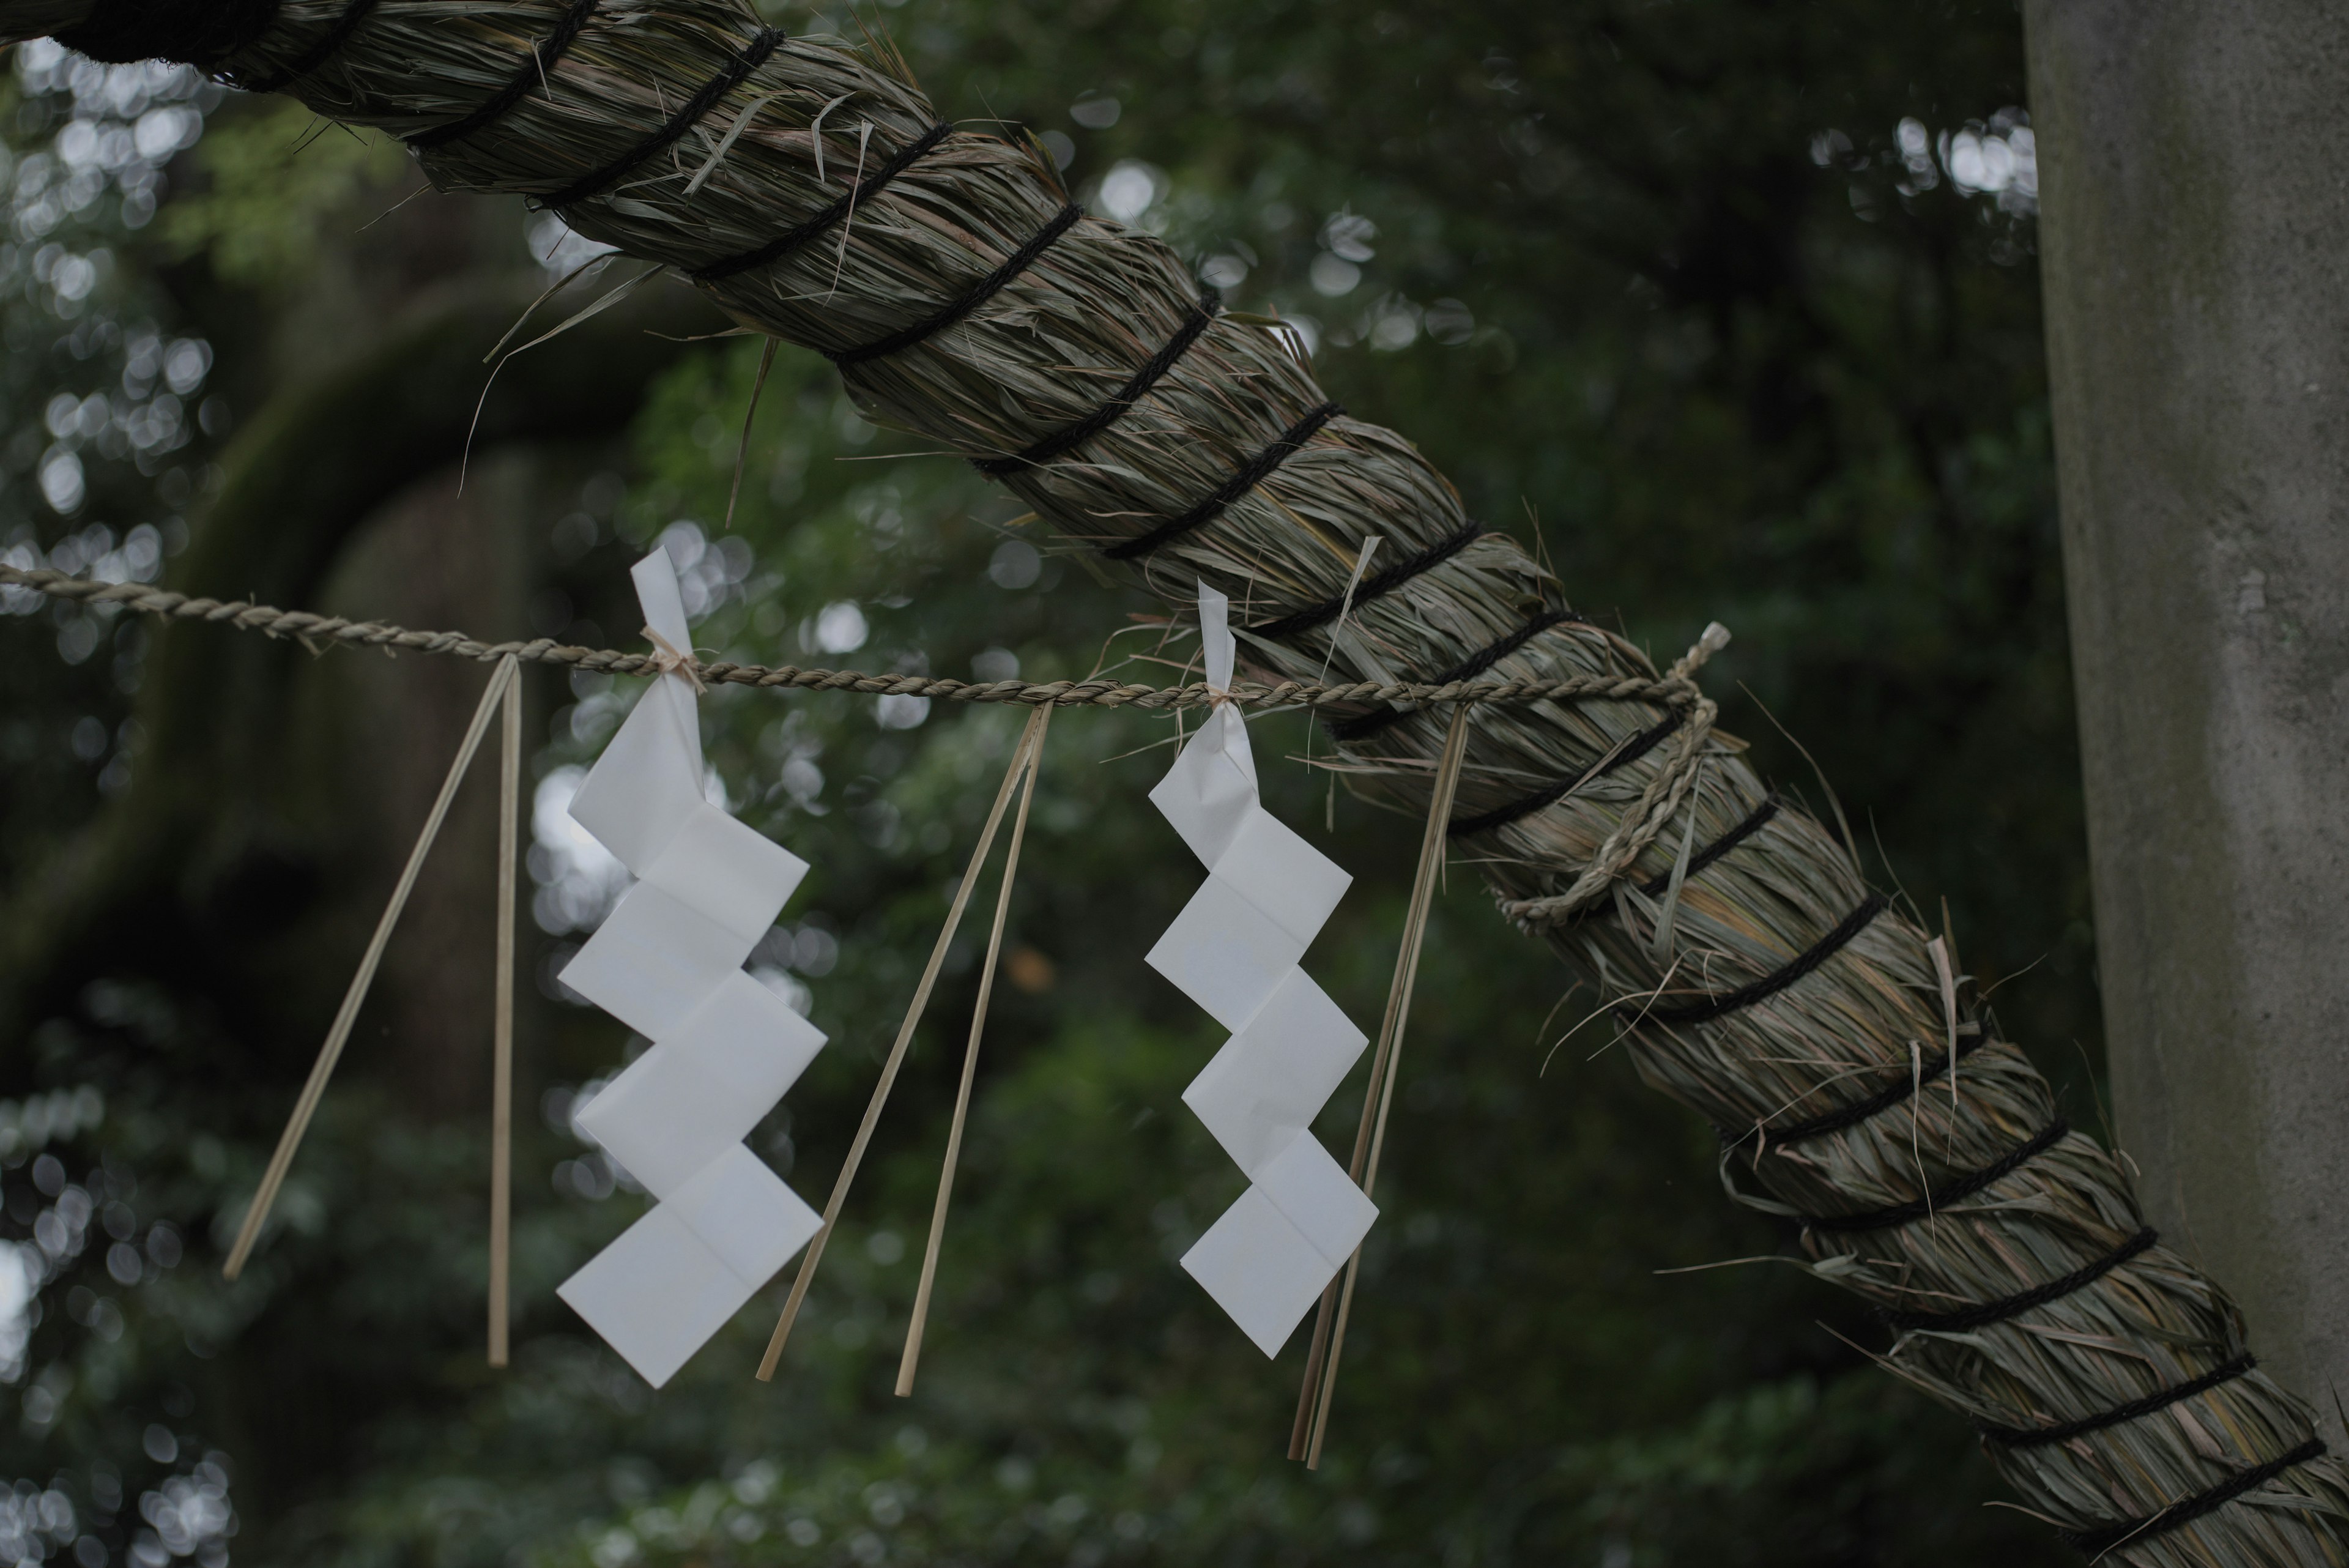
[
  {"x": 271, "y": 178},
  {"x": 1688, "y": 296}
]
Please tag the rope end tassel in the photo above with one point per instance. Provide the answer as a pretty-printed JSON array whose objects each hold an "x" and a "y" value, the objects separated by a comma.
[{"x": 1189, "y": 452}]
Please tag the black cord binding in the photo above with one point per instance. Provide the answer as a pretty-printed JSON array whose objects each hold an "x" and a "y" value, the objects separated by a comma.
[
  {"x": 792, "y": 238},
  {"x": 1136, "y": 387},
  {"x": 1258, "y": 467},
  {"x": 1860, "y": 1111},
  {"x": 1365, "y": 725},
  {"x": 2005, "y": 1307},
  {"x": 1662, "y": 882},
  {"x": 1707, "y": 1008},
  {"x": 1638, "y": 746},
  {"x": 988, "y": 286},
  {"x": 2040, "y": 1437},
  {"x": 752, "y": 56},
  {"x": 1373, "y": 586},
  {"x": 1964, "y": 1187},
  {"x": 542, "y": 58},
  {"x": 2096, "y": 1542},
  {"x": 317, "y": 54}
]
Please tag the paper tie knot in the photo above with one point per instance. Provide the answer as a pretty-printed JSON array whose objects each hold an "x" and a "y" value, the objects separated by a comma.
[{"x": 669, "y": 661}]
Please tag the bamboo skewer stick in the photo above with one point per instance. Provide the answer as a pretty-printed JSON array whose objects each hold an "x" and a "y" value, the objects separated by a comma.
[
  {"x": 1379, "y": 1092},
  {"x": 912, "y": 1354},
  {"x": 815, "y": 1256},
  {"x": 502, "y": 1071},
  {"x": 332, "y": 1051}
]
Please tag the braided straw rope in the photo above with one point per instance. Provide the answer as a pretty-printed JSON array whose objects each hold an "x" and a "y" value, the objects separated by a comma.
[
  {"x": 1675, "y": 689},
  {"x": 1757, "y": 979}
]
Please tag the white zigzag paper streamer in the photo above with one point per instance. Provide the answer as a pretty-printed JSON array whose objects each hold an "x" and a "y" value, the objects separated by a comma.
[
  {"x": 1234, "y": 950},
  {"x": 667, "y": 963}
]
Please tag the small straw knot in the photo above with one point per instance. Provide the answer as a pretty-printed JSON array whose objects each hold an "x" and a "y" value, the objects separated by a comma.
[{"x": 668, "y": 660}]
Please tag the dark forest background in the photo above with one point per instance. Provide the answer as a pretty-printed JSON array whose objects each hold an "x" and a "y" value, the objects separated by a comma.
[{"x": 1730, "y": 307}]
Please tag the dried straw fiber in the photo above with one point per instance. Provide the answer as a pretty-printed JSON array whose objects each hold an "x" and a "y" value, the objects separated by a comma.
[{"x": 613, "y": 109}]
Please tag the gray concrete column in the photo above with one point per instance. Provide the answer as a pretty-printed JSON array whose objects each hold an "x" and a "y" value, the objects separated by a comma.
[{"x": 2194, "y": 171}]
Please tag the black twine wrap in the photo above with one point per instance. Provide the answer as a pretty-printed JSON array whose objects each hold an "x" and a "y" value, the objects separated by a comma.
[
  {"x": 1195, "y": 323},
  {"x": 542, "y": 58},
  {"x": 792, "y": 238},
  {"x": 117, "y": 32},
  {"x": 2040, "y": 1437},
  {"x": 987, "y": 289},
  {"x": 1638, "y": 746},
  {"x": 754, "y": 55},
  {"x": 1257, "y": 470},
  {"x": 1933, "y": 1202},
  {"x": 1999, "y": 1311},
  {"x": 317, "y": 54},
  {"x": 1862, "y": 1110},
  {"x": 1368, "y": 724},
  {"x": 1705, "y": 1009},
  {"x": 1374, "y": 586},
  {"x": 2096, "y": 1542}
]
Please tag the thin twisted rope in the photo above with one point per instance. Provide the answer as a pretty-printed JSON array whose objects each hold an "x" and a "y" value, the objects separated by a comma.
[{"x": 1675, "y": 690}]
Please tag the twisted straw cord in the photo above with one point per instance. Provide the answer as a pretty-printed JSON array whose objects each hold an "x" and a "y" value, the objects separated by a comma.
[
  {"x": 1658, "y": 804},
  {"x": 1674, "y": 691}
]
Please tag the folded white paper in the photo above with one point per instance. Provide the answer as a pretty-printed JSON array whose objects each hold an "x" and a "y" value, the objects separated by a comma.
[
  {"x": 728, "y": 870},
  {"x": 750, "y": 1039},
  {"x": 1314, "y": 1193},
  {"x": 665, "y": 1118},
  {"x": 744, "y": 1213},
  {"x": 1225, "y": 954},
  {"x": 1260, "y": 1270},
  {"x": 662, "y": 599},
  {"x": 657, "y": 1294},
  {"x": 648, "y": 783},
  {"x": 1211, "y": 789},
  {"x": 667, "y": 963},
  {"x": 1234, "y": 950},
  {"x": 1270, "y": 1080},
  {"x": 1270, "y": 867},
  {"x": 654, "y": 959}
]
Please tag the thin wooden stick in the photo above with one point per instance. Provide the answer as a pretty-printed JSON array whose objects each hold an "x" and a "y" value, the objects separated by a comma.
[
  {"x": 815, "y": 1255},
  {"x": 1422, "y": 893},
  {"x": 969, "y": 1071},
  {"x": 502, "y": 1071},
  {"x": 1300, "y": 1429},
  {"x": 331, "y": 1053}
]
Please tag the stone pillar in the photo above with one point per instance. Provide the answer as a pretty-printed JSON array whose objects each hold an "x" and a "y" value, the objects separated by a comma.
[{"x": 2194, "y": 171}]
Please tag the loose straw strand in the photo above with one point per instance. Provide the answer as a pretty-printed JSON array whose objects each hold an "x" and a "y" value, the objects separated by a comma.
[
  {"x": 1422, "y": 893},
  {"x": 502, "y": 1071},
  {"x": 840, "y": 1186},
  {"x": 332, "y": 1051},
  {"x": 913, "y": 1353}
]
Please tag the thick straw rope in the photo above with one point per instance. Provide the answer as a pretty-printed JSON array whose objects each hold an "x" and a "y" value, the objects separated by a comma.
[{"x": 1765, "y": 987}]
